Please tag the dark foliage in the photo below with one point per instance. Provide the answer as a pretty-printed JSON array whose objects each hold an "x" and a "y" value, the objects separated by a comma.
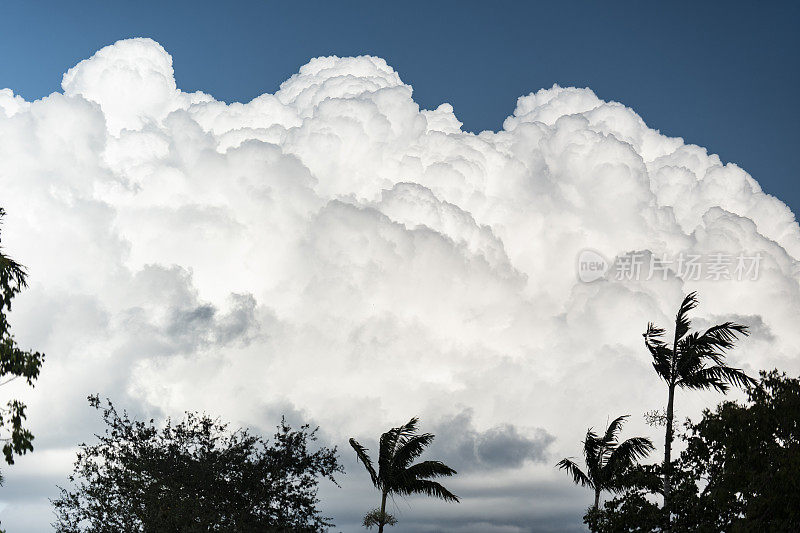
[
  {"x": 14, "y": 362},
  {"x": 740, "y": 471},
  {"x": 194, "y": 476}
]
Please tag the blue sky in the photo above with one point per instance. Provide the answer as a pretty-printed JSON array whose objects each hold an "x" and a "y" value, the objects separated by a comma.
[{"x": 722, "y": 75}]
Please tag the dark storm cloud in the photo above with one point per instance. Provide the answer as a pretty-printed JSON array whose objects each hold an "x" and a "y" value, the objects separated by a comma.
[
  {"x": 502, "y": 446},
  {"x": 202, "y": 323}
]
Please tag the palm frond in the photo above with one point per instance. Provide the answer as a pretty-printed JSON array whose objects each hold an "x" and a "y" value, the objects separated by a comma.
[
  {"x": 592, "y": 443},
  {"x": 386, "y": 447},
  {"x": 654, "y": 333},
  {"x": 629, "y": 452},
  {"x": 409, "y": 448},
  {"x": 408, "y": 429},
  {"x": 682, "y": 322},
  {"x": 701, "y": 380},
  {"x": 363, "y": 456},
  {"x": 575, "y": 471},
  {"x": 592, "y": 447},
  {"x": 714, "y": 342},
  {"x": 610, "y": 438},
  {"x": 718, "y": 377},
  {"x": 726, "y": 332},
  {"x": 661, "y": 353},
  {"x": 391, "y": 440},
  {"x": 429, "y": 488},
  {"x": 429, "y": 470},
  {"x": 593, "y": 452}
]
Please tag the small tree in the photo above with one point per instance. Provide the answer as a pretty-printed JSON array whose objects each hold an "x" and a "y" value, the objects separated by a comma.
[
  {"x": 396, "y": 474},
  {"x": 606, "y": 459},
  {"x": 14, "y": 362},
  {"x": 194, "y": 476}
]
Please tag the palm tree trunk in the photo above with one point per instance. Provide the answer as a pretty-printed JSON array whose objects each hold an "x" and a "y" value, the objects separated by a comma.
[
  {"x": 383, "y": 513},
  {"x": 668, "y": 456}
]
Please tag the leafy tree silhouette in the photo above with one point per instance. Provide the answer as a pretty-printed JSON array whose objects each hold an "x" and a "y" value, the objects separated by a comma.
[
  {"x": 14, "y": 362},
  {"x": 194, "y": 476},
  {"x": 739, "y": 471}
]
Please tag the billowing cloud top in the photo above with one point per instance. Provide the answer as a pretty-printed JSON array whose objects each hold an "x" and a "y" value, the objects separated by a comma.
[{"x": 334, "y": 250}]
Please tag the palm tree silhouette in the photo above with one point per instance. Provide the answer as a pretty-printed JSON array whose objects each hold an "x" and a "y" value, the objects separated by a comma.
[
  {"x": 399, "y": 447},
  {"x": 695, "y": 361},
  {"x": 606, "y": 459}
]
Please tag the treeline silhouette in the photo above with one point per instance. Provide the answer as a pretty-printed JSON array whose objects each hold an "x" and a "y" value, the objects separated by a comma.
[{"x": 739, "y": 471}]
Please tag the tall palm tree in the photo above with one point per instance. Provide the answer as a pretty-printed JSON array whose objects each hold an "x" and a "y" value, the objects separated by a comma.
[
  {"x": 606, "y": 458},
  {"x": 694, "y": 361},
  {"x": 399, "y": 447}
]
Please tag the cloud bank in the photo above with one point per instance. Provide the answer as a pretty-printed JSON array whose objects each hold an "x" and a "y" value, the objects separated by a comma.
[{"x": 336, "y": 252}]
